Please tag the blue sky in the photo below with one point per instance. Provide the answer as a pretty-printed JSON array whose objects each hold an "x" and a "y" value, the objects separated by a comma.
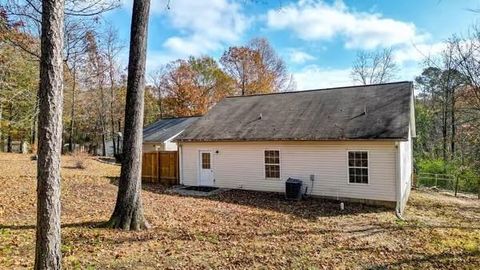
[{"x": 317, "y": 39}]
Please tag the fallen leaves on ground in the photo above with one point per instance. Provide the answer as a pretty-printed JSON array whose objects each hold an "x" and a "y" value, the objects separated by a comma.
[{"x": 233, "y": 230}]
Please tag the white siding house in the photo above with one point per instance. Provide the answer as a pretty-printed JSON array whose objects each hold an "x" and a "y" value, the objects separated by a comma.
[{"x": 327, "y": 150}]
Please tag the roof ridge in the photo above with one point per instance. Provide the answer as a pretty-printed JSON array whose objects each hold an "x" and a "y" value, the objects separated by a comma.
[{"x": 322, "y": 89}]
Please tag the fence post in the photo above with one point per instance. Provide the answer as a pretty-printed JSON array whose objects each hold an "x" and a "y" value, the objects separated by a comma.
[
  {"x": 478, "y": 188},
  {"x": 436, "y": 180}
]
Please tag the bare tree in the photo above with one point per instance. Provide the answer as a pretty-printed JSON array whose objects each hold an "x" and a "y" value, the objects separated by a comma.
[
  {"x": 50, "y": 96},
  {"x": 128, "y": 212},
  {"x": 97, "y": 64},
  {"x": 274, "y": 65},
  {"x": 374, "y": 67},
  {"x": 80, "y": 17},
  {"x": 112, "y": 50}
]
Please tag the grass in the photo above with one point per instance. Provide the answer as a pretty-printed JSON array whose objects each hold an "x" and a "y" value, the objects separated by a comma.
[{"x": 233, "y": 230}]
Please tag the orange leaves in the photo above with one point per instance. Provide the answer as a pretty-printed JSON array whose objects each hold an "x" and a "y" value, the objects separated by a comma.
[
  {"x": 191, "y": 87},
  {"x": 256, "y": 68}
]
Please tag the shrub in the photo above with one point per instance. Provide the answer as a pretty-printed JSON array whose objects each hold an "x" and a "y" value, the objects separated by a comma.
[{"x": 467, "y": 176}]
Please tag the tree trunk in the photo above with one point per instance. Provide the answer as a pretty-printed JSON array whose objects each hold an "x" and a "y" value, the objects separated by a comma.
[
  {"x": 112, "y": 105},
  {"x": 103, "y": 120},
  {"x": 114, "y": 142},
  {"x": 104, "y": 144},
  {"x": 119, "y": 138},
  {"x": 453, "y": 126},
  {"x": 9, "y": 142},
  {"x": 128, "y": 213},
  {"x": 33, "y": 139},
  {"x": 9, "y": 133},
  {"x": 71, "y": 146},
  {"x": 47, "y": 252},
  {"x": 1, "y": 133},
  {"x": 444, "y": 129}
]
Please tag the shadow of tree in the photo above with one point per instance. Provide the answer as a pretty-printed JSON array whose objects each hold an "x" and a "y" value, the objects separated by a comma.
[
  {"x": 435, "y": 260},
  {"x": 86, "y": 224},
  {"x": 308, "y": 208}
]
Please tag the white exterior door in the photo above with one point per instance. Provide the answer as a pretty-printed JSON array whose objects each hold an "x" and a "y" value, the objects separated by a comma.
[{"x": 206, "y": 168}]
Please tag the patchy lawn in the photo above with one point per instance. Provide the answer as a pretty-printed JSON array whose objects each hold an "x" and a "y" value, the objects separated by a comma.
[{"x": 233, "y": 230}]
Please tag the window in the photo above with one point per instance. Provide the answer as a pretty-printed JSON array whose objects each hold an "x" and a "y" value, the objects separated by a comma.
[
  {"x": 205, "y": 160},
  {"x": 358, "y": 167},
  {"x": 272, "y": 164}
]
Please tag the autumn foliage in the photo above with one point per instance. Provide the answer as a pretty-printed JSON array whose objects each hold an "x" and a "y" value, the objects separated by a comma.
[{"x": 191, "y": 87}]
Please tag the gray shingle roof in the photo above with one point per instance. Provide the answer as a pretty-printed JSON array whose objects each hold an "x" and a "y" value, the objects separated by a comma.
[
  {"x": 165, "y": 129},
  {"x": 379, "y": 111}
]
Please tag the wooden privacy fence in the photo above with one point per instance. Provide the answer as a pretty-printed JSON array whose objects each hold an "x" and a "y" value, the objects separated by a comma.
[{"x": 160, "y": 167}]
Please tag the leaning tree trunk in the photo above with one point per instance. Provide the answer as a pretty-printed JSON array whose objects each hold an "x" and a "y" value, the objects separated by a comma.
[
  {"x": 47, "y": 252},
  {"x": 128, "y": 213}
]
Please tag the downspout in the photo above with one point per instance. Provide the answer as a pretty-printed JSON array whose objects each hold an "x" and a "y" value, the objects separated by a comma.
[
  {"x": 398, "y": 183},
  {"x": 180, "y": 161}
]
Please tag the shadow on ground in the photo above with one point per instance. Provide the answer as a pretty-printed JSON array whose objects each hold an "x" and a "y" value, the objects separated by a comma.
[
  {"x": 86, "y": 224},
  {"x": 435, "y": 260},
  {"x": 309, "y": 208}
]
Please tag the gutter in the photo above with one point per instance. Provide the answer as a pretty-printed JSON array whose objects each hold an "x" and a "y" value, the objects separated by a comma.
[
  {"x": 291, "y": 140},
  {"x": 180, "y": 165},
  {"x": 398, "y": 183}
]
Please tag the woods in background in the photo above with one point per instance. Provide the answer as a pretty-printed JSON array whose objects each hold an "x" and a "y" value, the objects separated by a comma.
[
  {"x": 448, "y": 113},
  {"x": 95, "y": 78}
]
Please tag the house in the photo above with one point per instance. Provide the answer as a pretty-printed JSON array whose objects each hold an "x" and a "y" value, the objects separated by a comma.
[
  {"x": 350, "y": 143},
  {"x": 159, "y": 135}
]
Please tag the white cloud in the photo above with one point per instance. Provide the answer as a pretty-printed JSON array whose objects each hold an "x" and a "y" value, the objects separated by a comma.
[
  {"x": 315, "y": 77},
  {"x": 317, "y": 20},
  {"x": 204, "y": 25},
  {"x": 299, "y": 57},
  {"x": 418, "y": 52},
  {"x": 201, "y": 27}
]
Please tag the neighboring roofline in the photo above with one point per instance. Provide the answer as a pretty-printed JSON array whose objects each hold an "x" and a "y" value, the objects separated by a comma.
[
  {"x": 173, "y": 137},
  {"x": 167, "y": 140},
  {"x": 322, "y": 89},
  {"x": 292, "y": 140},
  {"x": 170, "y": 118},
  {"x": 182, "y": 117}
]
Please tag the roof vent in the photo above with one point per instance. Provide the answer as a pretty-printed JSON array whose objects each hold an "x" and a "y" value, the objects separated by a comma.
[{"x": 260, "y": 116}]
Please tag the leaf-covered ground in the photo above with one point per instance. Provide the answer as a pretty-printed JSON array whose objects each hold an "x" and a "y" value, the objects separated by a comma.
[{"x": 233, "y": 230}]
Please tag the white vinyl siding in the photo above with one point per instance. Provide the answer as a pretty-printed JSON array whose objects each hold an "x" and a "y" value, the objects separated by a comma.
[
  {"x": 241, "y": 165},
  {"x": 406, "y": 170}
]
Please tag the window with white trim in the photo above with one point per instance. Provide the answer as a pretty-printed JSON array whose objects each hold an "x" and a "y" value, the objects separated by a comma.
[
  {"x": 272, "y": 164},
  {"x": 358, "y": 167}
]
